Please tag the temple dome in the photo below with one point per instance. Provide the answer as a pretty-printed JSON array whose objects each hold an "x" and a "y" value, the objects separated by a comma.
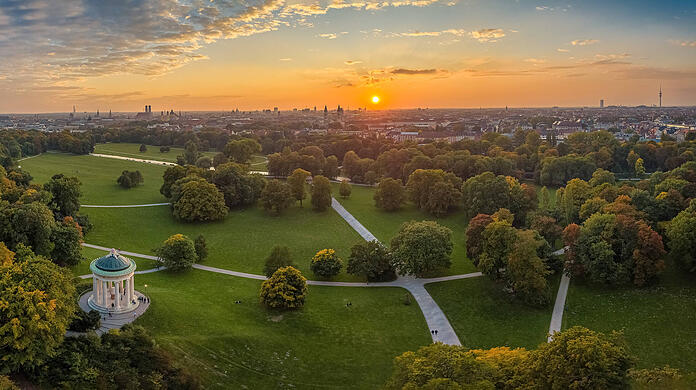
[{"x": 113, "y": 262}]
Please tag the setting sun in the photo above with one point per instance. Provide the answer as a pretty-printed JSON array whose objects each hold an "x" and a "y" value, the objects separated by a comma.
[{"x": 375, "y": 99}]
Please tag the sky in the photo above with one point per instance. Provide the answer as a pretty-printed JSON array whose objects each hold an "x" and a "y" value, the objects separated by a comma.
[{"x": 255, "y": 54}]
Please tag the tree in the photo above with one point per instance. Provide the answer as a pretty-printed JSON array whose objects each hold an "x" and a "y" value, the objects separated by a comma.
[
  {"x": 331, "y": 167},
  {"x": 631, "y": 159},
  {"x": 143, "y": 148},
  {"x": 548, "y": 227},
  {"x": 191, "y": 154},
  {"x": 201, "y": 247},
  {"x": 601, "y": 176},
  {"x": 31, "y": 224},
  {"x": 170, "y": 176},
  {"x": 36, "y": 308},
  {"x": 681, "y": 232},
  {"x": 639, "y": 168},
  {"x": 276, "y": 196},
  {"x": 474, "y": 236},
  {"x": 344, "y": 189},
  {"x": 67, "y": 240},
  {"x": 199, "y": 201},
  {"x": 321, "y": 193},
  {"x": 285, "y": 289},
  {"x": 434, "y": 190},
  {"x": 440, "y": 366},
  {"x": 579, "y": 358},
  {"x": 240, "y": 151},
  {"x": 390, "y": 194},
  {"x": 576, "y": 192},
  {"x": 371, "y": 260},
  {"x": 297, "y": 182},
  {"x": 238, "y": 187},
  {"x": 421, "y": 247},
  {"x": 177, "y": 253},
  {"x": 499, "y": 239},
  {"x": 204, "y": 162},
  {"x": 129, "y": 179},
  {"x": 525, "y": 271},
  {"x": 326, "y": 263},
  {"x": 544, "y": 200},
  {"x": 164, "y": 149},
  {"x": 66, "y": 194},
  {"x": 279, "y": 257}
]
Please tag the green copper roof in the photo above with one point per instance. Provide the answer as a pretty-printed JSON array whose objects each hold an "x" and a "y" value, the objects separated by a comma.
[{"x": 113, "y": 264}]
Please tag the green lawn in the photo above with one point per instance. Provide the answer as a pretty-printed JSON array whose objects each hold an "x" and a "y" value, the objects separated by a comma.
[
  {"x": 323, "y": 345},
  {"x": 385, "y": 225},
  {"x": 484, "y": 316},
  {"x": 98, "y": 176},
  {"x": 659, "y": 323},
  {"x": 90, "y": 254},
  {"x": 133, "y": 150},
  {"x": 241, "y": 242}
]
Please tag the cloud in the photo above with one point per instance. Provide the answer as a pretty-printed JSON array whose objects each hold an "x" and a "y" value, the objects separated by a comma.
[
  {"x": 285, "y": 59},
  {"x": 562, "y": 50},
  {"x": 54, "y": 42},
  {"x": 452, "y": 31},
  {"x": 584, "y": 42},
  {"x": 544, "y": 8},
  {"x": 351, "y": 62},
  {"x": 535, "y": 61},
  {"x": 684, "y": 43},
  {"x": 412, "y": 72},
  {"x": 488, "y": 34},
  {"x": 328, "y": 36}
]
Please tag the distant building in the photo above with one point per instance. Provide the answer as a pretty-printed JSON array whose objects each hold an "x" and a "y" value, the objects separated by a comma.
[{"x": 601, "y": 103}]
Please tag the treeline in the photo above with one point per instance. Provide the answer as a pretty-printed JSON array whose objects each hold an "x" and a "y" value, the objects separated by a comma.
[{"x": 15, "y": 144}]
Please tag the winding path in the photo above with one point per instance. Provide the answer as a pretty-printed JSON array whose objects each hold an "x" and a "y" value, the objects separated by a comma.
[{"x": 559, "y": 305}]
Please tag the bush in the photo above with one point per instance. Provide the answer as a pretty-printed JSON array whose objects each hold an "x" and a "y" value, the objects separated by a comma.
[
  {"x": 177, "y": 253},
  {"x": 326, "y": 263},
  {"x": 130, "y": 179},
  {"x": 344, "y": 189},
  {"x": 85, "y": 321},
  {"x": 143, "y": 148},
  {"x": 279, "y": 257},
  {"x": 285, "y": 289},
  {"x": 201, "y": 247},
  {"x": 164, "y": 149}
]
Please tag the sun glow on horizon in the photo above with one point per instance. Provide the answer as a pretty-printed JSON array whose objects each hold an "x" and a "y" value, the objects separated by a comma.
[{"x": 375, "y": 99}]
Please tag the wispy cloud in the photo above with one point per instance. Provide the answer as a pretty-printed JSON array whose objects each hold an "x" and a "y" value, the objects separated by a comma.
[
  {"x": 413, "y": 72},
  {"x": 584, "y": 42},
  {"x": 285, "y": 59},
  {"x": 684, "y": 43},
  {"x": 562, "y": 50},
  {"x": 352, "y": 62},
  {"x": 488, "y": 34},
  {"x": 328, "y": 36},
  {"x": 451, "y": 31}
]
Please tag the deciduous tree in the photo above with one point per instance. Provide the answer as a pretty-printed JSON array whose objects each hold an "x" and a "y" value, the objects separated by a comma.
[
  {"x": 276, "y": 196},
  {"x": 285, "y": 289},
  {"x": 326, "y": 263},
  {"x": 177, "y": 253},
  {"x": 321, "y": 193},
  {"x": 279, "y": 257},
  {"x": 390, "y": 194},
  {"x": 371, "y": 260},
  {"x": 421, "y": 247}
]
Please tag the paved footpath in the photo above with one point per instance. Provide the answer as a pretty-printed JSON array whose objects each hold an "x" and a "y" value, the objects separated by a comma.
[
  {"x": 124, "y": 205},
  {"x": 434, "y": 316},
  {"x": 559, "y": 305},
  {"x": 348, "y": 217}
]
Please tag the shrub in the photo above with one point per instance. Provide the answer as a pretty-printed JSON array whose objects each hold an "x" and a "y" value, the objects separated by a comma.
[
  {"x": 201, "y": 247},
  {"x": 285, "y": 289},
  {"x": 326, "y": 263},
  {"x": 129, "y": 179},
  {"x": 344, "y": 189}
]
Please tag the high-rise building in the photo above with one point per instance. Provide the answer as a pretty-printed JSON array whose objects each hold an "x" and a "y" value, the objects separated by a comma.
[{"x": 601, "y": 103}]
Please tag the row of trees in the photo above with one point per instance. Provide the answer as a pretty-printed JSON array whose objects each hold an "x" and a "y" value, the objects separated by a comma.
[{"x": 576, "y": 358}]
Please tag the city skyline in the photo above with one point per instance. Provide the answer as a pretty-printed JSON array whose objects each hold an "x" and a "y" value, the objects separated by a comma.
[{"x": 195, "y": 56}]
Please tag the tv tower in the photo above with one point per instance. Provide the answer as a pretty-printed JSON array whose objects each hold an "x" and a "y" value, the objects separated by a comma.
[{"x": 660, "y": 94}]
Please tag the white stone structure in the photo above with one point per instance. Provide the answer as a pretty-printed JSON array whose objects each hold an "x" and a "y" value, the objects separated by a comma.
[{"x": 113, "y": 289}]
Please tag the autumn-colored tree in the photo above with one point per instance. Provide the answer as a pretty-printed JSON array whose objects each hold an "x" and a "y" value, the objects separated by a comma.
[
  {"x": 579, "y": 358},
  {"x": 474, "y": 236},
  {"x": 639, "y": 168},
  {"x": 285, "y": 289},
  {"x": 390, "y": 194},
  {"x": 548, "y": 228},
  {"x": 36, "y": 307},
  {"x": 297, "y": 182},
  {"x": 326, "y": 263}
]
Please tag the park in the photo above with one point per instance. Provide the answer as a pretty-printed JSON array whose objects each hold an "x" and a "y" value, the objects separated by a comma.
[{"x": 195, "y": 314}]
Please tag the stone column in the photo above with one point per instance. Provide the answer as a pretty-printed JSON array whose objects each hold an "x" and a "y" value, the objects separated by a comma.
[
  {"x": 126, "y": 291},
  {"x": 104, "y": 293},
  {"x": 132, "y": 287},
  {"x": 118, "y": 294}
]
